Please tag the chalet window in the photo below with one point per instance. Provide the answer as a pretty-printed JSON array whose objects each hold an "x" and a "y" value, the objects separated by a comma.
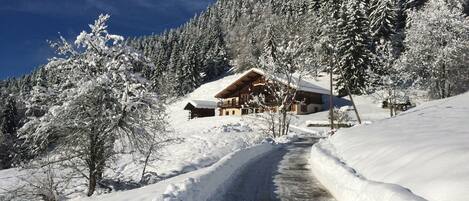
[
  {"x": 227, "y": 113},
  {"x": 233, "y": 112},
  {"x": 244, "y": 98},
  {"x": 244, "y": 111}
]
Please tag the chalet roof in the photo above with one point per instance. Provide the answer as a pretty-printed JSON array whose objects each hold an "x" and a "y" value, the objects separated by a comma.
[
  {"x": 254, "y": 73},
  {"x": 201, "y": 104}
]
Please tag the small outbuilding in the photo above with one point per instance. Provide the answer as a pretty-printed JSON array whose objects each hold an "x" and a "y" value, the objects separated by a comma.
[{"x": 201, "y": 108}]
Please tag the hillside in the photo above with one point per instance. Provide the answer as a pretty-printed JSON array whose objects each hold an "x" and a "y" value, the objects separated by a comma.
[{"x": 424, "y": 150}]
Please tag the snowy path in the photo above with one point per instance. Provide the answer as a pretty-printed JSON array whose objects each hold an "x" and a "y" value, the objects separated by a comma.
[{"x": 282, "y": 175}]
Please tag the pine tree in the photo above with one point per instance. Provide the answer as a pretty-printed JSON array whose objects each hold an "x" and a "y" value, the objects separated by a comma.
[
  {"x": 353, "y": 49},
  {"x": 8, "y": 136},
  {"x": 383, "y": 19},
  {"x": 191, "y": 77},
  {"x": 325, "y": 49}
]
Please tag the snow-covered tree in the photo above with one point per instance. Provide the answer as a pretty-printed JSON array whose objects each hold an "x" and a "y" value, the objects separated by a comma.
[
  {"x": 283, "y": 67},
  {"x": 390, "y": 84},
  {"x": 383, "y": 19},
  {"x": 328, "y": 20},
  {"x": 190, "y": 75},
  {"x": 8, "y": 136},
  {"x": 101, "y": 104},
  {"x": 437, "y": 46},
  {"x": 353, "y": 49}
]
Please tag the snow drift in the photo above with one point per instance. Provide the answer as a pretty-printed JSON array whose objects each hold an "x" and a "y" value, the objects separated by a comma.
[
  {"x": 212, "y": 181},
  {"x": 346, "y": 185},
  {"x": 198, "y": 185},
  {"x": 425, "y": 150}
]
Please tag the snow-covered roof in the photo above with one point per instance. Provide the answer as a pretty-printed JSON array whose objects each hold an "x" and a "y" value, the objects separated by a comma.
[
  {"x": 297, "y": 83},
  {"x": 203, "y": 104}
]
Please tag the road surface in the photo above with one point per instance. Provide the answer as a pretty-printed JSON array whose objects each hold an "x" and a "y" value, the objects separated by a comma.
[{"x": 283, "y": 175}]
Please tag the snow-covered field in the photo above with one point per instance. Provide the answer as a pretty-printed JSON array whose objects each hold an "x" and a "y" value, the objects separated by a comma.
[{"x": 423, "y": 154}]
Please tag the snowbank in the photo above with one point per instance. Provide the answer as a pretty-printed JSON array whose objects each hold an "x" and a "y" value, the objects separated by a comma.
[
  {"x": 212, "y": 181},
  {"x": 424, "y": 149},
  {"x": 346, "y": 185},
  {"x": 197, "y": 185}
]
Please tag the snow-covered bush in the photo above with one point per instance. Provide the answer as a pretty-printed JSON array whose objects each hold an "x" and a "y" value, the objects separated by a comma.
[{"x": 341, "y": 116}]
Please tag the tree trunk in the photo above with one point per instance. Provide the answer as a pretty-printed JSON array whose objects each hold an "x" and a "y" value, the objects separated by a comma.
[
  {"x": 147, "y": 158},
  {"x": 391, "y": 104},
  {"x": 92, "y": 182}
]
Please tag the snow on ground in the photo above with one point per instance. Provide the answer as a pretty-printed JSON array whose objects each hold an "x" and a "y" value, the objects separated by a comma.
[
  {"x": 422, "y": 154},
  {"x": 178, "y": 117},
  {"x": 369, "y": 109},
  {"x": 197, "y": 185},
  {"x": 204, "y": 142},
  {"x": 369, "y": 106}
]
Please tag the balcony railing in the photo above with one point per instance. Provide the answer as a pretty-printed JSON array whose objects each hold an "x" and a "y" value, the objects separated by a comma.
[{"x": 230, "y": 104}]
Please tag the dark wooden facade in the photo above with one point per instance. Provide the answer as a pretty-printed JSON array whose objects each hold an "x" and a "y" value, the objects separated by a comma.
[
  {"x": 199, "y": 112},
  {"x": 236, "y": 98}
]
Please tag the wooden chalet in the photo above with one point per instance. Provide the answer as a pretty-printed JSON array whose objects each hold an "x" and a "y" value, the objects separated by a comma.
[
  {"x": 200, "y": 108},
  {"x": 235, "y": 98}
]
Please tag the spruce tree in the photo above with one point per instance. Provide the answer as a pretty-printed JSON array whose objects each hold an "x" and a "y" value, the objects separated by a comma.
[
  {"x": 8, "y": 137},
  {"x": 383, "y": 19},
  {"x": 191, "y": 71},
  {"x": 353, "y": 49}
]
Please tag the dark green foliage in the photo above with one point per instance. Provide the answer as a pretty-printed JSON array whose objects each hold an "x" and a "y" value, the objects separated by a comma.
[
  {"x": 8, "y": 137},
  {"x": 353, "y": 49},
  {"x": 383, "y": 19}
]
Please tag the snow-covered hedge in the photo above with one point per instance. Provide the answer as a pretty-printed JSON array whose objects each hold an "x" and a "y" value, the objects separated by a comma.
[
  {"x": 213, "y": 180},
  {"x": 346, "y": 185}
]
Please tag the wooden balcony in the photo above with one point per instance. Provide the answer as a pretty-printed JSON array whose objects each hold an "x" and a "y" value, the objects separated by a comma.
[{"x": 230, "y": 104}]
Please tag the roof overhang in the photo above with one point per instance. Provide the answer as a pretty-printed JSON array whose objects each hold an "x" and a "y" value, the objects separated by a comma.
[
  {"x": 246, "y": 77},
  {"x": 254, "y": 73},
  {"x": 200, "y": 104}
]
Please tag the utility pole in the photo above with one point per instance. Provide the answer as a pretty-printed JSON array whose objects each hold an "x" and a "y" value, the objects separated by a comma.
[
  {"x": 350, "y": 96},
  {"x": 330, "y": 52},
  {"x": 331, "y": 99}
]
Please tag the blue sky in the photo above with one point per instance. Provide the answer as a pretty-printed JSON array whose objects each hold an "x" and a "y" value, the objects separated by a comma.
[{"x": 26, "y": 25}]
